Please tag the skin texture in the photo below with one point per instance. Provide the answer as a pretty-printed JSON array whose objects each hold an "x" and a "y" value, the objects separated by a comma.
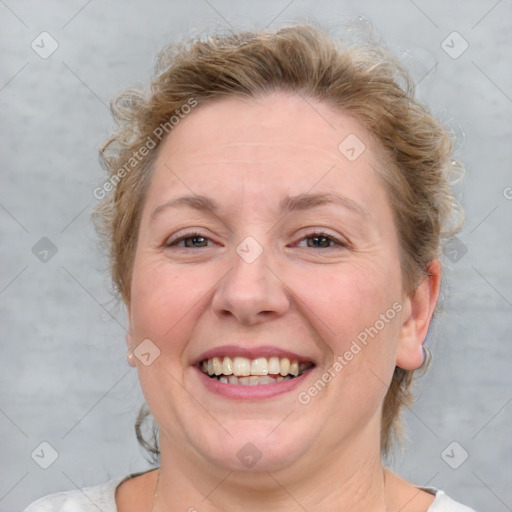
[{"x": 247, "y": 155}]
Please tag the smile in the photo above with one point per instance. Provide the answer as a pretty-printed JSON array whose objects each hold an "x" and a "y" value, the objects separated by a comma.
[{"x": 253, "y": 372}]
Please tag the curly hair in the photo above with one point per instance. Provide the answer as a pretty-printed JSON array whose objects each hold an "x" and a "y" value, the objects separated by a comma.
[{"x": 361, "y": 79}]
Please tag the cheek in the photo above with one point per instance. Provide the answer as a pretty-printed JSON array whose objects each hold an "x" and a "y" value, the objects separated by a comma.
[
  {"x": 166, "y": 299},
  {"x": 349, "y": 299},
  {"x": 356, "y": 310}
]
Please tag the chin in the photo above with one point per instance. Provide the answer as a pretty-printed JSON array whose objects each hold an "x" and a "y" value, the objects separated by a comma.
[{"x": 257, "y": 446}]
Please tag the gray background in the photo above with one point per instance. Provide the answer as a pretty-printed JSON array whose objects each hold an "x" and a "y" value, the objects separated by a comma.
[{"x": 63, "y": 374}]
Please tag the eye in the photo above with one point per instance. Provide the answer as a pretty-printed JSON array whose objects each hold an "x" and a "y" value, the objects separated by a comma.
[
  {"x": 320, "y": 240},
  {"x": 189, "y": 241}
]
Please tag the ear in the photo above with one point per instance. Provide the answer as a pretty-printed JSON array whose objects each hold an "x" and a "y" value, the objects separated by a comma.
[{"x": 418, "y": 311}]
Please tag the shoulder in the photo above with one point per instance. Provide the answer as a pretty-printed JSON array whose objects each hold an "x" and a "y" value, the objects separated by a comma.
[
  {"x": 443, "y": 503},
  {"x": 89, "y": 499}
]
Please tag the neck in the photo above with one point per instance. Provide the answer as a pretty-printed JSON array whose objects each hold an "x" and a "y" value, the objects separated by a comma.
[{"x": 352, "y": 481}]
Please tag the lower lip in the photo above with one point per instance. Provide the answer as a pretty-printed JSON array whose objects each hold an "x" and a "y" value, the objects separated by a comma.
[{"x": 261, "y": 391}]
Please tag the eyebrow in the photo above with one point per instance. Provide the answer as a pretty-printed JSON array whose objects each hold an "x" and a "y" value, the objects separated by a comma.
[
  {"x": 201, "y": 203},
  {"x": 289, "y": 204},
  {"x": 303, "y": 202}
]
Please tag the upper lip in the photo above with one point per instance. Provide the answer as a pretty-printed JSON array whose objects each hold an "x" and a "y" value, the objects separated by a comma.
[{"x": 250, "y": 353}]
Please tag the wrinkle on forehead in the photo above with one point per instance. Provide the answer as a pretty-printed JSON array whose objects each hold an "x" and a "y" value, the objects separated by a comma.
[
  {"x": 249, "y": 149},
  {"x": 255, "y": 153},
  {"x": 277, "y": 120}
]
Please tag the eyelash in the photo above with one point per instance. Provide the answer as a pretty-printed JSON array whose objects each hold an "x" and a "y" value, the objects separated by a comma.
[
  {"x": 323, "y": 234},
  {"x": 313, "y": 234},
  {"x": 186, "y": 236}
]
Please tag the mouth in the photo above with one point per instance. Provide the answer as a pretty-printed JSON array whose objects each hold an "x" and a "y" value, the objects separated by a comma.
[{"x": 243, "y": 371}]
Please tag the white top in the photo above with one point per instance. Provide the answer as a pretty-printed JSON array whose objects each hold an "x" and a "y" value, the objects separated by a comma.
[{"x": 102, "y": 497}]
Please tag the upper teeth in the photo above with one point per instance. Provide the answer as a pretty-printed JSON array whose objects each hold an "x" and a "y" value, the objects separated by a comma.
[{"x": 242, "y": 366}]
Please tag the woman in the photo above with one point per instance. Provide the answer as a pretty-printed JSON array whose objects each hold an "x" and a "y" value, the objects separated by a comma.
[{"x": 274, "y": 212}]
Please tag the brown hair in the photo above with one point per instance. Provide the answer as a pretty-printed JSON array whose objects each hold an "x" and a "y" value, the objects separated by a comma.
[{"x": 362, "y": 79}]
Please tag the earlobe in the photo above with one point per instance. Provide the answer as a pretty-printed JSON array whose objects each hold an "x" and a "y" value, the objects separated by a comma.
[
  {"x": 130, "y": 356},
  {"x": 418, "y": 312}
]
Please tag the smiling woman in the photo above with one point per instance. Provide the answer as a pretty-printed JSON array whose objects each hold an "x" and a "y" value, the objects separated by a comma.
[{"x": 277, "y": 252}]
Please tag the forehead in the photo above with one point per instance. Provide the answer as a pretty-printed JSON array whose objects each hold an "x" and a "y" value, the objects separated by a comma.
[
  {"x": 281, "y": 142},
  {"x": 266, "y": 123}
]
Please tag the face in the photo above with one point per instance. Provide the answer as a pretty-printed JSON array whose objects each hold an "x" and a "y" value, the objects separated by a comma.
[{"x": 267, "y": 279}]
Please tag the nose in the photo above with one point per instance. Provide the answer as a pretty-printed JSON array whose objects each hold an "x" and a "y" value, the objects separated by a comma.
[{"x": 252, "y": 293}]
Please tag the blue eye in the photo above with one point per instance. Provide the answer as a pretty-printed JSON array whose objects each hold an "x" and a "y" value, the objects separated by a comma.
[
  {"x": 320, "y": 241},
  {"x": 190, "y": 241},
  {"x": 315, "y": 240}
]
